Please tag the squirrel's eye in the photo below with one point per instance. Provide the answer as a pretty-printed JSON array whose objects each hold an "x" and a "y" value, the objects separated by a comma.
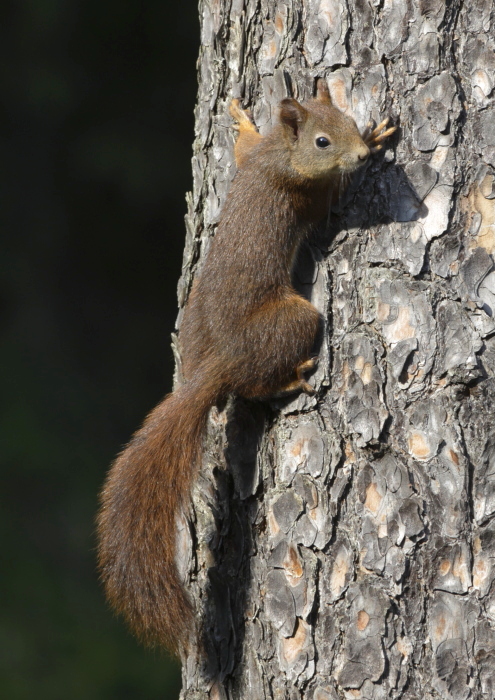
[{"x": 322, "y": 142}]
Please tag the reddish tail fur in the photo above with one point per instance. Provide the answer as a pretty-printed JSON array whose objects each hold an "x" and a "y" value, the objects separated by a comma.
[{"x": 146, "y": 488}]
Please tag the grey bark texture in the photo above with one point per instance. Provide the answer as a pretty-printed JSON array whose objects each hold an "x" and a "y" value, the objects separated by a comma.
[{"x": 343, "y": 545}]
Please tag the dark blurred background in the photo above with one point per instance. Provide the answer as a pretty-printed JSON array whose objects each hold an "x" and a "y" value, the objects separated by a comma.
[{"x": 96, "y": 136}]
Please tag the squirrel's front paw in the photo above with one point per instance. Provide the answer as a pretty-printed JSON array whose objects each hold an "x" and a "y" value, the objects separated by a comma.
[{"x": 373, "y": 138}]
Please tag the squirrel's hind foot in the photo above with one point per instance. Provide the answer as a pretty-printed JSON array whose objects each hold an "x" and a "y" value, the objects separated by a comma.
[{"x": 300, "y": 384}]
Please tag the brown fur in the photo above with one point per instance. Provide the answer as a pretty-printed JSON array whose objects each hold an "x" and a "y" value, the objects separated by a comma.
[{"x": 245, "y": 330}]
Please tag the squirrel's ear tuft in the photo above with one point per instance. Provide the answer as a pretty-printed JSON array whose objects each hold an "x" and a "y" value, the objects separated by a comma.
[
  {"x": 322, "y": 92},
  {"x": 292, "y": 116}
]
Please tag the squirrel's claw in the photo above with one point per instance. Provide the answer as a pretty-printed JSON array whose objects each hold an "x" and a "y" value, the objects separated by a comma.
[
  {"x": 385, "y": 134},
  {"x": 380, "y": 127},
  {"x": 307, "y": 388},
  {"x": 367, "y": 131},
  {"x": 307, "y": 366},
  {"x": 373, "y": 138}
]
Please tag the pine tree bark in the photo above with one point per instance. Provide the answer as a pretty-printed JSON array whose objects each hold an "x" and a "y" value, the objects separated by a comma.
[{"x": 343, "y": 546}]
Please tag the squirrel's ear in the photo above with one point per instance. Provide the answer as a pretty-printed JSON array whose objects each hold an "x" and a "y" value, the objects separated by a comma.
[
  {"x": 292, "y": 116},
  {"x": 322, "y": 92}
]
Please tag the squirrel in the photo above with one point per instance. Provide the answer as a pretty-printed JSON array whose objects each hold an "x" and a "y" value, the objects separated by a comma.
[{"x": 245, "y": 331}]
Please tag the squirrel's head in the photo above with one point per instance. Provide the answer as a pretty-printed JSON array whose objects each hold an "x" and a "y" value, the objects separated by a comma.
[{"x": 323, "y": 141}]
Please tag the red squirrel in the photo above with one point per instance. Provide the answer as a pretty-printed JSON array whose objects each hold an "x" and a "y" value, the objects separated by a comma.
[{"x": 245, "y": 331}]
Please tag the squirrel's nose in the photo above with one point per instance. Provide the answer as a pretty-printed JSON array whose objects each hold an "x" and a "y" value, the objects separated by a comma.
[{"x": 363, "y": 154}]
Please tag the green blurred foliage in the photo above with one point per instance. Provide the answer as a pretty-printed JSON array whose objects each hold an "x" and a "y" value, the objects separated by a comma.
[{"x": 96, "y": 135}]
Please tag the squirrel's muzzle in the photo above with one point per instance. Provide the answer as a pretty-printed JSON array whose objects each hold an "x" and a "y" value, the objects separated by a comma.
[{"x": 363, "y": 154}]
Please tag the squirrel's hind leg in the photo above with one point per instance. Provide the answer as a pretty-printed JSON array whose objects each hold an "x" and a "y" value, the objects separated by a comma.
[
  {"x": 283, "y": 332},
  {"x": 248, "y": 137}
]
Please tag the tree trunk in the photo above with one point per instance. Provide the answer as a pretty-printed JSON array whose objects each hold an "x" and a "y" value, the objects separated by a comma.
[{"x": 343, "y": 546}]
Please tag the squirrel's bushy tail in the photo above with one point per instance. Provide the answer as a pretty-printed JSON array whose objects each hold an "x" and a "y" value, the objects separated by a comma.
[{"x": 146, "y": 488}]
